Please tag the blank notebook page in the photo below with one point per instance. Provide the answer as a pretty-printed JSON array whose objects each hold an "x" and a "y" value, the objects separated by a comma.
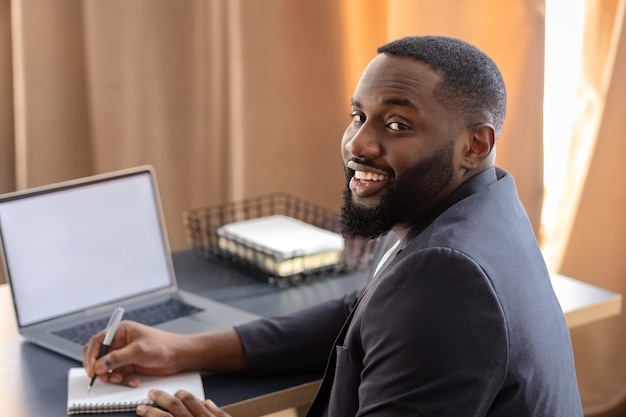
[{"x": 104, "y": 397}]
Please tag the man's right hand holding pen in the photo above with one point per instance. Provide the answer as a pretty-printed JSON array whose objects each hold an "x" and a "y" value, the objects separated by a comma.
[
  {"x": 142, "y": 350},
  {"x": 138, "y": 349}
]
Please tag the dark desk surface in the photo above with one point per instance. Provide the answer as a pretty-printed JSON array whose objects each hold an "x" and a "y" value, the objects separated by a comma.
[
  {"x": 233, "y": 287},
  {"x": 33, "y": 381}
]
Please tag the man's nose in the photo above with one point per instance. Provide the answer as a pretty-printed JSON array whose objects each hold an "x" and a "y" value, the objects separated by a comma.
[{"x": 364, "y": 143}]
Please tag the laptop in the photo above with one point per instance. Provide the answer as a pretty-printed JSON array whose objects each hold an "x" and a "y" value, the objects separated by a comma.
[{"x": 75, "y": 250}]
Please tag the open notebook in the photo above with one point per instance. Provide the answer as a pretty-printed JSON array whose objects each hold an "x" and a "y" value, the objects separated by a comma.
[{"x": 107, "y": 398}]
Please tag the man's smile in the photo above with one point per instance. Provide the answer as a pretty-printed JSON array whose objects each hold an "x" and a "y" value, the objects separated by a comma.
[
  {"x": 366, "y": 183},
  {"x": 369, "y": 176}
]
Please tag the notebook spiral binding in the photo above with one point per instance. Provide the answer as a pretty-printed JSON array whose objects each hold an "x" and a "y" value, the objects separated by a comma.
[
  {"x": 202, "y": 224},
  {"x": 111, "y": 407}
]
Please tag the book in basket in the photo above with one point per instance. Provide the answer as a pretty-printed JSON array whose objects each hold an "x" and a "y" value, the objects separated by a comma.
[{"x": 280, "y": 244}]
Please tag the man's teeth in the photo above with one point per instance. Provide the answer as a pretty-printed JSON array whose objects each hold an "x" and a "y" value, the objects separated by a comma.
[{"x": 372, "y": 176}]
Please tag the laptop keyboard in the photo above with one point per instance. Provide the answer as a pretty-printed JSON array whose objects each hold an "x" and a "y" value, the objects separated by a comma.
[{"x": 149, "y": 315}]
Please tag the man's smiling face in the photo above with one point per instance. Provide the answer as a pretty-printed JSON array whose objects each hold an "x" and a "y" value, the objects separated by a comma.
[{"x": 400, "y": 149}]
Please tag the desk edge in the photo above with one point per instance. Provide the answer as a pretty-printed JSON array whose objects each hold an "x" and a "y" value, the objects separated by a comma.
[{"x": 299, "y": 395}]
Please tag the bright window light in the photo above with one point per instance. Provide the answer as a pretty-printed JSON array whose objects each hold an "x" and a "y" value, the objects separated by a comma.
[{"x": 564, "y": 27}]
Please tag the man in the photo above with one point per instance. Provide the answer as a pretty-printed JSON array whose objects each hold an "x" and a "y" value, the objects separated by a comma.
[{"x": 459, "y": 319}]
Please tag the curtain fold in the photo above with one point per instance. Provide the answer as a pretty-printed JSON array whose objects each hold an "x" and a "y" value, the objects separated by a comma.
[
  {"x": 590, "y": 242},
  {"x": 52, "y": 132},
  {"x": 7, "y": 144},
  {"x": 288, "y": 109}
]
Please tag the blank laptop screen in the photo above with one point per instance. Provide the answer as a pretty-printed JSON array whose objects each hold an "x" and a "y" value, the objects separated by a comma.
[{"x": 83, "y": 246}]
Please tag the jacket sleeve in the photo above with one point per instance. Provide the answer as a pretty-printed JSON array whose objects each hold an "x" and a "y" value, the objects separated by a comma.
[
  {"x": 434, "y": 340},
  {"x": 298, "y": 342}
]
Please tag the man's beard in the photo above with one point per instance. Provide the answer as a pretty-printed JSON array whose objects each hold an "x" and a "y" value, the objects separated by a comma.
[{"x": 406, "y": 199}]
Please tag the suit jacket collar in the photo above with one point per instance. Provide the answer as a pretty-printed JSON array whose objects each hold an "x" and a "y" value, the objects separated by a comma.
[{"x": 469, "y": 187}]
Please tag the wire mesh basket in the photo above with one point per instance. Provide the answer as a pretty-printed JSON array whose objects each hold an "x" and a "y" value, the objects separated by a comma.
[{"x": 202, "y": 231}]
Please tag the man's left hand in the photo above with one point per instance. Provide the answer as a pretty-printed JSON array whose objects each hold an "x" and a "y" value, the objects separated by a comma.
[{"x": 181, "y": 404}]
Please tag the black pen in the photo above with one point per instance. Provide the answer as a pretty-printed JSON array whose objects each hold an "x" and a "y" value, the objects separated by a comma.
[{"x": 114, "y": 321}]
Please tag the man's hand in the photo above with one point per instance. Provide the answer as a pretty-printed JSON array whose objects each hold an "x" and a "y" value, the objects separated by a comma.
[
  {"x": 136, "y": 349},
  {"x": 182, "y": 404}
]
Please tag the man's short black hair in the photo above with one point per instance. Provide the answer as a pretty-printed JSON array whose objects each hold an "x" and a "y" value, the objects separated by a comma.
[{"x": 472, "y": 86}]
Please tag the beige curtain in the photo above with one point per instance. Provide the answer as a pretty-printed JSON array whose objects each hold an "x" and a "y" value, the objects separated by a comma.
[
  {"x": 590, "y": 240},
  {"x": 229, "y": 98}
]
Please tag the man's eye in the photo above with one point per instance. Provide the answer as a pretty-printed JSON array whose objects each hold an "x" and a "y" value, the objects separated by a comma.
[
  {"x": 358, "y": 118},
  {"x": 397, "y": 126}
]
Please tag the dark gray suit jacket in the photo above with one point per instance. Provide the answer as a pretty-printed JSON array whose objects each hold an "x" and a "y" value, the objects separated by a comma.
[{"x": 462, "y": 321}]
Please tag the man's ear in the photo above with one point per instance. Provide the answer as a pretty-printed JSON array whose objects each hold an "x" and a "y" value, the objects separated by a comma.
[{"x": 480, "y": 146}]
